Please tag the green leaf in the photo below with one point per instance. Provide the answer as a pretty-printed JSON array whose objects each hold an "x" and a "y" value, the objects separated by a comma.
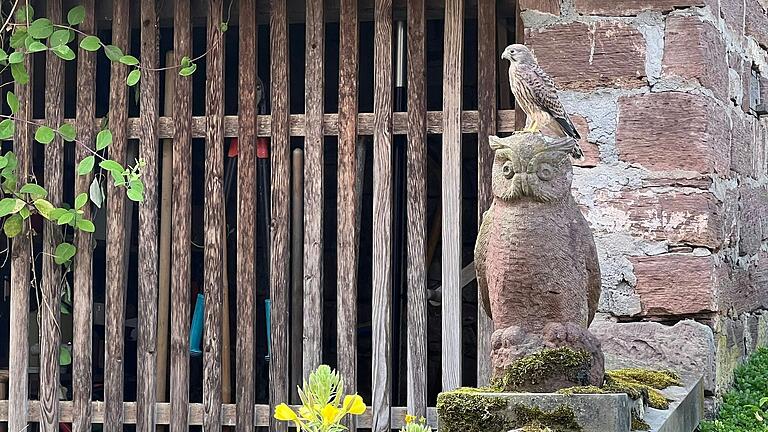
[
  {"x": 64, "y": 252},
  {"x": 3, "y": 162},
  {"x": 64, "y": 52},
  {"x": 25, "y": 213},
  {"x": 113, "y": 53},
  {"x": 40, "y": 28},
  {"x": 13, "y": 225},
  {"x": 56, "y": 213},
  {"x": 44, "y": 135},
  {"x": 19, "y": 73},
  {"x": 224, "y": 27},
  {"x": 68, "y": 132},
  {"x": 95, "y": 193},
  {"x": 66, "y": 218},
  {"x": 65, "y": 357},
  {"x": 189, "y": 70},
  {"x": 76, "y": 15},
  {"x": 85, "y": 225},
  {"x": 3, "y": 55},
  {"x": 118, "y": 177},
  {"x": 136, "y": 184},
  {"x": 112, "y": 166},
  {"x": 90, "y": 43},
  {"x": 81, "y": 200},
  {"x": 86, "y": 165},
  {"x": 185, "y": 61},
  {"x": 37, "y": 47},
  {"x": 135, "y": 195},
  {"x": 17, "y": 38},
  {"x": 129, "y": 60},
  {"x": 33, "y": 189},
  {"x": 16, "y": 57},
  {"x": 10, "y": 206},
  {"x": 133, "y": 77},
  {"x": 24, "y": 14},
  {"x": 103, "y": 139},
  {"x": 7, "y": 128},
  {"x": 13, "y": 162},
  {"x": 13, "y": 102},
  {"x": 45, "y": 208},
  {"x": 60, "y": 37}
]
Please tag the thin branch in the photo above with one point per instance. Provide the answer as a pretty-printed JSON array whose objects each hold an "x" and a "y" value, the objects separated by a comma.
[{"x": 10, "y": 15}]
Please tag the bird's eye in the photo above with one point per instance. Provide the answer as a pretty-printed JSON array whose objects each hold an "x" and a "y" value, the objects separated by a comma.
[
  {"x": 508, "y": 170},
  {"x": 545, "y": 172}
]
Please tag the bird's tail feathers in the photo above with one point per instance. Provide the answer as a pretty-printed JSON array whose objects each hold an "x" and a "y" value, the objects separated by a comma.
[
  {"x": 577, "y": 153},
  {"x": 568, "y": 127}
]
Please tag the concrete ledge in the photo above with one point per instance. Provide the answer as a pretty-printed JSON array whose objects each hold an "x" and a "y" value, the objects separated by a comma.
[{"x": 685, "y": 411}]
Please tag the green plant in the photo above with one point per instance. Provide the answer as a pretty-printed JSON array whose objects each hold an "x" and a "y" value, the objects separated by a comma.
[
  {"x": 324, "y": 404},
  {"x": 744, "y": 406},
  {"x": 412, "y": 424}
]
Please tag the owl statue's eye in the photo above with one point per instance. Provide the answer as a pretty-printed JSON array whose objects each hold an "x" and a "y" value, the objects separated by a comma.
[
  {"x": 508, "y": 170},
  {"x": 546, "y": 172}
]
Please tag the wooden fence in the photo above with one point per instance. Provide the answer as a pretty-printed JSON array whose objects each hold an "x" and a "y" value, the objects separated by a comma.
[{"x": 280, "y": 125}]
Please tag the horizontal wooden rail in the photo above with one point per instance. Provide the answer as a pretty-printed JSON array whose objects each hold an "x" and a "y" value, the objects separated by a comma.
[
  {"x": 163, "y": 414},
  {"x": 469, "y": 124}
]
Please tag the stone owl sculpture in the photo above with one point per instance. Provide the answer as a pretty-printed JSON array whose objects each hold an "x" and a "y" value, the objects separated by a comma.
[{"x": 535, "y": 257}]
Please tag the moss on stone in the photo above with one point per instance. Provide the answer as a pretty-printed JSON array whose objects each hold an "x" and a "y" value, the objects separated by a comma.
[
  {"x": 581, "y": 390},
  {"x": 535, "y": 427},
  {"x": 656, "y": 379},
  {"x": 560, "y": 419},
  {"x": 467, "y": 410},
  {"x": 536, "y": 368},
  {"x": 639, "y": 424},
  {"x": 643, "y": 383}
]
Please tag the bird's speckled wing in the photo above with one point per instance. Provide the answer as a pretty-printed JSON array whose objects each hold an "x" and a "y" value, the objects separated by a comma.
[
  {"x": 481, "y": 247},
  {"x": 543, "y": 92}
]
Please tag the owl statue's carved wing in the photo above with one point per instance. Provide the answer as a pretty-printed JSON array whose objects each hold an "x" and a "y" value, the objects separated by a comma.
[
  {"x": 593, "y": 272},
  {"x": 481, "y": 248}
]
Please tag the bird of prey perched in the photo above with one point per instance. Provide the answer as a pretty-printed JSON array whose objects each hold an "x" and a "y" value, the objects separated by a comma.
[{"x": 536, "y": 93}]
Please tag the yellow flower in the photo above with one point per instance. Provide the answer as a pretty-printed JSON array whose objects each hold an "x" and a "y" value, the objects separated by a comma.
[
  {"x": 285, "y": 413},
  {"x": 354, "y": 404},
  {"x": 305, "y": 412},
  {"x": 329, "y": 414},
  {"x": 409, "y": 418}
]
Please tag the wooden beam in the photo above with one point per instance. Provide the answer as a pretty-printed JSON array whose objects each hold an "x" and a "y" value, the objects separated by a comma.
[
  {"x": 50, "y": 308},
  {"x": 313, "y": 188},
  {"x": 214, "y": 219},
  {"x": 182, "y": 209},
  {"x": 486, "y": 105},
  {"x": 451, "y": 193},
  {"x": 348, "y": 204},
  {"x": 82, "y": 295},
  {"x": 246, "y": 219},
  {"x": 116, "y": 238},
  {"x": 262, "y": 414},
  {"x": 417, "y": 210},
  {"x": 146, "y": 392},
  {"x": 382, "y": 219},
  {"x": 280, "y": 211}
]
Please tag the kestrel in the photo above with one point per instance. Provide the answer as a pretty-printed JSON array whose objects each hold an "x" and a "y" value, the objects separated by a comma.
[{"x": 536, "y": 93}]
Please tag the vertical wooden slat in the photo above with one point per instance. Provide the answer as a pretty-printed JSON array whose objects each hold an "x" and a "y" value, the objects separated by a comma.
[
  {"x": 116, "y": 220},
  {"x": 246, "y": 218},
  {"x": 182, "y": 209},
  {"x": 280, "y": 212},
  {"x": 148, "y": 223},
  {"x": 82, "y": 298},
  {"x": 21, "y": 254},
  {"x": 313, "y": 188},
  {"x": 451, "y": 244},
  {"x": 486, "y": 106},
  {"x": 49, "y": 312},
  {"x": 348, "y": 234},
  {"x": 417, "y": 202},
  {"x": 382, "y": 217},
  {"x": 520, "y": 117},
  {"x": 214, "y": 219}
]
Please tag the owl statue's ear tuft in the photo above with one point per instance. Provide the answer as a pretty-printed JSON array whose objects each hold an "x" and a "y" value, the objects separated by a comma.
[{"x": 496, "y": 143}]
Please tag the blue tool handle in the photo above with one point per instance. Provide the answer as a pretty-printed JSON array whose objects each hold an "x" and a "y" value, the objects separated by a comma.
[
  {"x": 268, "y": 310},
  {"x": 196, "y": 332}
]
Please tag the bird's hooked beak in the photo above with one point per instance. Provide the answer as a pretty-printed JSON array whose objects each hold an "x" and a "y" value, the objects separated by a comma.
[{"x": 506, "y": 55}]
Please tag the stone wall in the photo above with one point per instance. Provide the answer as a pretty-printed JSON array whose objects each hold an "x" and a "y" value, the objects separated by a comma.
[{"x": 667, "y": 94}]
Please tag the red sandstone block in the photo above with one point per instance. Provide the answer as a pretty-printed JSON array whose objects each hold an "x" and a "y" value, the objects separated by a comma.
[
  {"x": 693, "y": 219},
  {"x": 581, "y": 56},
  {"x": 752, "y": 215},
  {"x": 746, "y": 289},
  {"x": 591, "y": 150},
  {"x": 673, "y": 131},
  {"x": 746, "y": 153},
  {"x": 546, "y": 6},
  {"x": 633, "y": 7},
  {"x": 675, "y": 284},
  {"x": 733, "y": 13},
  {"x": 694, "y": 49},
  {"x": 756, "y": 21}
]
